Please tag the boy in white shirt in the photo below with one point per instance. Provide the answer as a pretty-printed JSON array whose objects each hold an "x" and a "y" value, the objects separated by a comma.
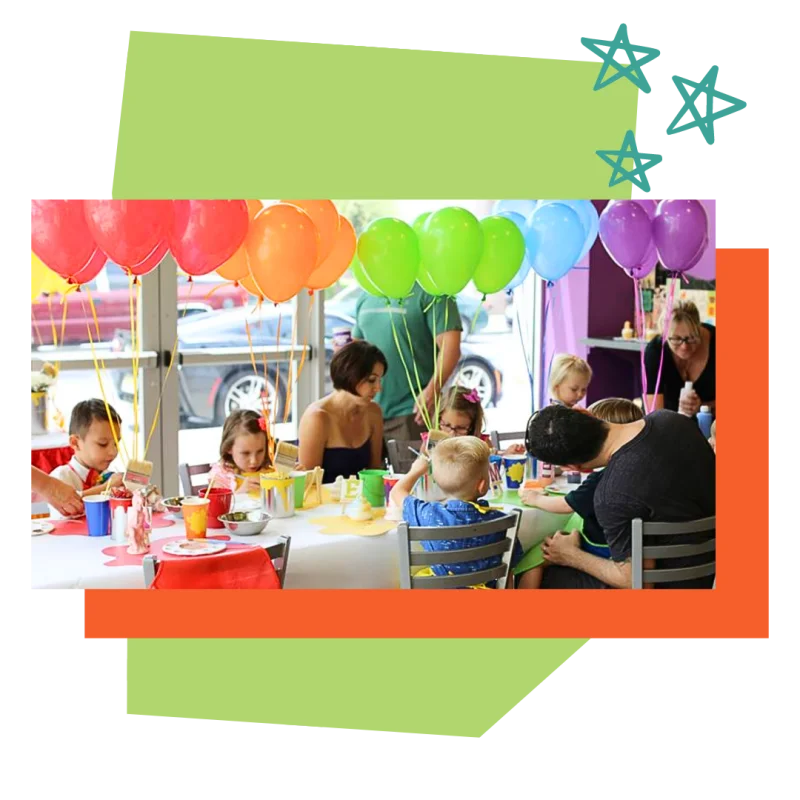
[{"x": 95, "y": 446}]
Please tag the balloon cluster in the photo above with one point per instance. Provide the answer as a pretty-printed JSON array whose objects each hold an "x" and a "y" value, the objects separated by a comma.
[
  {"x": 637, "y": 234},
  {"x": 274, "y": 251},
  {"x": 444, "y": 250}
]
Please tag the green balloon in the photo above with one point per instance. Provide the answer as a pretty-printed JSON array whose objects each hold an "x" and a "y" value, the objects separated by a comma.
[
  {"x": 503, "y": 251},
  {"x": 389, "y": 252},
  {"x": 424, "y": 278},
  {"x": 364, "y": 281},
  {"x": 451, "y": 244}
]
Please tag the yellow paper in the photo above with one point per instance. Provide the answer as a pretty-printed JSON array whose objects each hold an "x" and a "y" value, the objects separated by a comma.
[{"x": 344, "y": 526}]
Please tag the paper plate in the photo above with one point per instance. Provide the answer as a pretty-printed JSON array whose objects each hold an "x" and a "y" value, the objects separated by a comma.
[
  {"x": 194, "y": 547},
  {"x": 39, "y": 527},
  {"x": 560, "y": 490}
]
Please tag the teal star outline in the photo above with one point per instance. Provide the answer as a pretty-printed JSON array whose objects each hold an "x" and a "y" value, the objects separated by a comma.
[
  {"x": 633, "y": 72},
  {"x": 629, "y": 150},
  {"x": 705, "y": 124}
]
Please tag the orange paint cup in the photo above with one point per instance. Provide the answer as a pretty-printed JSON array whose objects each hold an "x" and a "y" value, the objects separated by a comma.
[{"x": 195, "y": 517}]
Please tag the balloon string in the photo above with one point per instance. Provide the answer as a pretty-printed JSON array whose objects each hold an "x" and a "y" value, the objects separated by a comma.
[
  {"x": 166, "y": 377},
  {"x": 640, "y": 326},
  {"x": 667, "y": 316},
  {"x": 305, "y": 338},
  {"x": 277, "y": 372},
  {"x": 264, "y": 411},
  {"x": 215, "y": 289},
  {"x": 287, "y": 405},
  {"x": 525, "y": 352},
  {"x": 118, "y": 441},
  {"x": 403, "y": 360},
  {"x": 36, "y": 328},
  {"x": 425, "y": 415},
  {"x": 545, "y": 318}
]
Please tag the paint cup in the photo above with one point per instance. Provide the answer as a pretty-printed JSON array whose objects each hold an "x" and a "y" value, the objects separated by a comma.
[
  {"x": 195, "y": 516},
  {"x": 98, "y": 515},
  {"x": 277, "y": 494},
  {"x": 372, "y": 481},
  {"x": 299, "y": 479},
  {"x": 254, "y": 494},
  {"x": 119, "y": 517},
  {"x": 514, "y": 470},
  {"x": 220, "y": 501},
  {"x": 389, "y": 482}
]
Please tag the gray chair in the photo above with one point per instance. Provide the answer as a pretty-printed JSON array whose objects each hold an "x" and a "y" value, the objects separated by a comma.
[
  {"x": 412, "y": 554},
  {"x": 498, "y": 438},
  {"x": 187, "y": 473},
  {"x": 278, "y": 553},
  {"x": 664, "y": 553},
  {"x": 400, "y": 457}
]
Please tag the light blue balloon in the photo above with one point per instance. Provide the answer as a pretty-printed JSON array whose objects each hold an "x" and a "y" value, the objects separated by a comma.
[
  {"x": 554, "y": 237},
  {"x": 523, "y": 207},
  {"x": 589, "y": 218},
  {"x": 525, "y": 266}
]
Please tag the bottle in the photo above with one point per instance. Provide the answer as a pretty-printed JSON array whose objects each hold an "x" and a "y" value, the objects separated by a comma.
[
  {"x": 687, "y": 387},
  {"x": 704, "y": 420},
  {"x": 627, "y": 331},
  {"x": 547, "y": 473}
]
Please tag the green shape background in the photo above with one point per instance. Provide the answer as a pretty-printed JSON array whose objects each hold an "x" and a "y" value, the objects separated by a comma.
[
  {"x": 208, "y": 117},
  {"x": 231, "y": 118},
  {"x": 457, "y": 687}
]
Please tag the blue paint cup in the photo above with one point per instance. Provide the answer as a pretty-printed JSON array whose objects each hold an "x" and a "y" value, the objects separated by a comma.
[
  {"x": 514, "y": 469},
  {"x": 98, "y": 515}
]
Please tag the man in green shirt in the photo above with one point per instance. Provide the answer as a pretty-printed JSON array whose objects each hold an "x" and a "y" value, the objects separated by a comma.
[{"x": 424, "y": 315}]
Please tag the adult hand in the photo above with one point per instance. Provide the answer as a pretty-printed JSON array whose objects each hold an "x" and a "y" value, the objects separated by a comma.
[
  {"x": 690, "y": 403},
  {"x": 426, "y": 400},
  {"x": 515, "y": 450},
  {"x": 561, "y": 548},
  {"x": 63, "y": 498}
]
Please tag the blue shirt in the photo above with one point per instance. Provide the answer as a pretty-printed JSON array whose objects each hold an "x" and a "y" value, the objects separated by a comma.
[{"x": 420, "y": 514}]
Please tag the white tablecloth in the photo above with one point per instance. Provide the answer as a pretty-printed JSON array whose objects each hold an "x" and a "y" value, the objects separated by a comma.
[{"x": 316, "y": 560}]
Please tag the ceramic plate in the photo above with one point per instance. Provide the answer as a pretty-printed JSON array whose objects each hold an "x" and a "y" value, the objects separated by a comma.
[
  {"x": 194, "y": 547},
  {"x": 38, "y": 528}
]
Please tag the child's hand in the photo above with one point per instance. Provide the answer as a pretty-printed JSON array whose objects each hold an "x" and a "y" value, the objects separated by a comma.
[
  {"x": 530, "y": 496},
  {"x": 114, "y": 480},
  {"x": 514, "y": 450},
  {"x": 420, "y": 466},
  {"x": 251, "y": 484}
]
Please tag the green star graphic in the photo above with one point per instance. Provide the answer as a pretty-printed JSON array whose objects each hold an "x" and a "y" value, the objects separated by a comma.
[
  {"x": 704, "y": 123},
  {"x": 633, "y": 72},
  {"x": 642, "y": 162}
]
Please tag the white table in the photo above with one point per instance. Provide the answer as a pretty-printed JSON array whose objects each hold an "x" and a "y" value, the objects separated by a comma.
[{"x": 316, "y": 560}]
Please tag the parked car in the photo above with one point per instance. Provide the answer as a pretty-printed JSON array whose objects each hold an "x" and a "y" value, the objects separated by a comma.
[
  {"x": 209, "y": 393},
  {"x": 344, "y": 302},
  {"x": 111, "y": 295}
]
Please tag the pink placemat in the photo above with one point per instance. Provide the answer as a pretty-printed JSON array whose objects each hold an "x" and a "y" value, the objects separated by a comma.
[
  {"x": 120, "y": 557},
  {"x": 79, "y": 527}
]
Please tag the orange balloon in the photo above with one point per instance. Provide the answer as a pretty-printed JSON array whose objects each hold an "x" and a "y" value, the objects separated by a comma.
[
  {"x": 253, "y": 207},
  {"x": 282, "y": 248},
  {"x": 249, "y": 284},
  {"x": 324, "y": 215},
  {"x": 236, "y": 267},
  {"x": 337, "y": 262}
]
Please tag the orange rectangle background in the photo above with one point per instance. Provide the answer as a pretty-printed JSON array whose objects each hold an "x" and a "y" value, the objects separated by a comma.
[{"x": 738, "y": 607}]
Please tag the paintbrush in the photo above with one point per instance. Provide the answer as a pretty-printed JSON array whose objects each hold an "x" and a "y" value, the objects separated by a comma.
[
  {"x": 137, "y": 475},
  {"x": 286, "y": 457}
]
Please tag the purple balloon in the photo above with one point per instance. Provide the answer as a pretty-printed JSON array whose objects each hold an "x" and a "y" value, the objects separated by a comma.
[
  {"x": 680, "y": 231},
  {"x": 706, "y": 267},
  {"x": 625, "y": 231}
]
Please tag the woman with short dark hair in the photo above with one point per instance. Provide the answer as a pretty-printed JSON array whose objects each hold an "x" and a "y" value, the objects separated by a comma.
[{"x": 343, "y": 432}]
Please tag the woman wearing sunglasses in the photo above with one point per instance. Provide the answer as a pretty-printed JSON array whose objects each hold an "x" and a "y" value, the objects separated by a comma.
[{"x": 690, "y": 355}]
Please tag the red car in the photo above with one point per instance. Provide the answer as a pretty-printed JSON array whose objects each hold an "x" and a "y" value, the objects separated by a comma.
[{"x": 111, "y": 295}]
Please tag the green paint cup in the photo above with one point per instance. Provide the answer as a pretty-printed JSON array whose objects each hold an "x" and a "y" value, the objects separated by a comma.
[
  {"x": 372, "y": 480},
  {"x": 299, "y": 487}
]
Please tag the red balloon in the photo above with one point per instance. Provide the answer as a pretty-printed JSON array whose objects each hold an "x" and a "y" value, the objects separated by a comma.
[
  {"x": 206, "y": 233},
  {"x": 155, "y": 257},
  {"x": 60, "y": 236},
  {"x": 128, "y": 231},
  {"x": 91, "y": 270}
]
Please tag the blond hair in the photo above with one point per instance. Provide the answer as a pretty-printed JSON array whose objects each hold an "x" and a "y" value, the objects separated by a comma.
[
  {"x": 458, "y": 464},
  {"x": 616, "y": 410},
  {"x": 683, "y": 311},
  {"x": 562, "y": 365}
]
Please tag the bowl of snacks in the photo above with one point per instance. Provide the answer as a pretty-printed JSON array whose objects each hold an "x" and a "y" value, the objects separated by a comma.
[
  {"x": 173, "y": 505},
  {"x": 245, "y": 523}
]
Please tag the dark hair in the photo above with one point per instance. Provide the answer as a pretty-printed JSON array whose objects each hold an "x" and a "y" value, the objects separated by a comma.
[
  {"x": 564, "y": 436},
  {"x": 456, "y": 400},
  {"x": 354, "y": 363},
  {"x": 237, "y": 423},
  {"x": 86, "y": 412}
]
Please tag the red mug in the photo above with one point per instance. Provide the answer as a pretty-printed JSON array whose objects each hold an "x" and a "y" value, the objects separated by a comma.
[{"x": 219, "y": 502}]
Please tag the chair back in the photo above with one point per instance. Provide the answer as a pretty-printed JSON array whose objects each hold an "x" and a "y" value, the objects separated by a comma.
[
  {"x": 498, "y": 438},
  {"x": 400, "y": 457},
  {"x": 187, "y": 473}
]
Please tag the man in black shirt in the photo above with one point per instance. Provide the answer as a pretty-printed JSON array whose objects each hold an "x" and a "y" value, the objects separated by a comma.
[{"x": 659, "y": 469}]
